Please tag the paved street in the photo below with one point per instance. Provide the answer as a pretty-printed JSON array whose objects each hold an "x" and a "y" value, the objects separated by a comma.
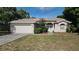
[{"x": 8, "y": 38}]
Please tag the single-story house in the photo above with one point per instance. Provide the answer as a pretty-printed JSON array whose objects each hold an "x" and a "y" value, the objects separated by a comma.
[{"x": 27, "y": 25}]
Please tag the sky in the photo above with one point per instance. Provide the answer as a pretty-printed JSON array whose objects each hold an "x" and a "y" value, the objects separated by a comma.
[{"x": 43, "y": 12}]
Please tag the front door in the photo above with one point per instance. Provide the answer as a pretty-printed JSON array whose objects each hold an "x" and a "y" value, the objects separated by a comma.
[
  {"x": 62, "y": 28},
  {"x": 50, "y": 28}
]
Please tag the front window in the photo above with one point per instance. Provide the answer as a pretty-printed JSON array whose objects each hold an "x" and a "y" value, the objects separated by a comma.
[
  {"x": 49, "y": 25},
  {"x": 62, "y": 26}
]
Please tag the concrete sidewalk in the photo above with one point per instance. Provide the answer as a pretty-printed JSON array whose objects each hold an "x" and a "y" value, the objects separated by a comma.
[{"x": 8, "y": 38}]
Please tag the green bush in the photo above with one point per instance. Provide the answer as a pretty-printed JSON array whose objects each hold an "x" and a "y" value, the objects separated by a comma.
[
  {"x": 44, "y": 29},
  {"x": 4, "y": 33},
  {"x": 40, "y": 30},
  {"x": 37, "y": 30},
  {"x": 71, "y": 28}
]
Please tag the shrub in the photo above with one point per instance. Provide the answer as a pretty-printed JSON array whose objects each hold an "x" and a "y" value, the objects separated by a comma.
[
  {"x": 40, "y": 30},
  {"x": 44, "y": 29},
  {"x": 71, "y": 28},
  {"x": 37, "y": 30}
]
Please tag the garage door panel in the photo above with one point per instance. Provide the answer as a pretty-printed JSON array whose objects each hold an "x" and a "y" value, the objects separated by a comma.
[{"x": 24, "y": 29}]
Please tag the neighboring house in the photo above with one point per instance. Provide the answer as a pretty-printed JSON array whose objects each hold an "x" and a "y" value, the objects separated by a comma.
[{"x": 27, "y": 25}]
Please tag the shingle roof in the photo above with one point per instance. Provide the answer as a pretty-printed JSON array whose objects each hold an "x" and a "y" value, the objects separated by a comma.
[
  {"x": 57, "y": 20},
  {"x": 24, "y": 21},
  {"x": 31, "y": 20},
  {"x": 61, "y": 19}
]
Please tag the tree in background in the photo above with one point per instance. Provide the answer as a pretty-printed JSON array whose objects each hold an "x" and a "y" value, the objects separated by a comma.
[
  {"x": 60, "y": 16},
  {"x": 22, "y": 14},
  {"x": 71, "y": 14},
  {"x": 8, "y": 14}
]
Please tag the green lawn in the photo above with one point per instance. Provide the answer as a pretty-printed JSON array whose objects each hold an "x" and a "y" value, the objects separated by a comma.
[{"x": 44, "y": 42}]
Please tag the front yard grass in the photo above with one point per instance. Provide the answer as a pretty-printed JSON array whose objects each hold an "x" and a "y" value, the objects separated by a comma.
[{"x": 44, "y": 42}]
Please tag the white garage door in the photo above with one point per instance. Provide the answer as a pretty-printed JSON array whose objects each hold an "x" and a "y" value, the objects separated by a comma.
[{"x": 24, "y": 29}]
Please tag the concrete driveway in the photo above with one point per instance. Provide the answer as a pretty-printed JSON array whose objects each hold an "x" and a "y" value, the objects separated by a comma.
[{"x": 8, "y": 38}]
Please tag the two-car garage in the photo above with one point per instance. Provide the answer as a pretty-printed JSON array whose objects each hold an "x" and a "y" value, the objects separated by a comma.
[
  {"x": 22, "y": 27},
  {"x": 27, "y": 28}
]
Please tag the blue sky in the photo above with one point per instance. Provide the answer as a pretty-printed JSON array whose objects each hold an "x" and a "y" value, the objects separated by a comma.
[{"x": 43, "y": 12}]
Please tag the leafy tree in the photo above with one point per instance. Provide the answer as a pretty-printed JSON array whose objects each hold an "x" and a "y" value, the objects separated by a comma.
[
  {"x": 60, "y": 16},
  {"x": 8, "y": 14},
  {"x": 22, "y": 14}
]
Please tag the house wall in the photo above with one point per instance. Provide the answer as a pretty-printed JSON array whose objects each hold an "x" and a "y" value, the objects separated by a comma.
[
  {"x": 22, "y": 28},
  {"x": 58, "y": 29},
  {"x": 29, "y": 28}
]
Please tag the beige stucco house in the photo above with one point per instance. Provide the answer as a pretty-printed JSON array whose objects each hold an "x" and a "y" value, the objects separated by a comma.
[{"x": 27, "y": 25}]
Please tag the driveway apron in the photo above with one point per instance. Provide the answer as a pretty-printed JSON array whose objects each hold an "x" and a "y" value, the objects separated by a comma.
[{"x": 8, "y": 38}]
